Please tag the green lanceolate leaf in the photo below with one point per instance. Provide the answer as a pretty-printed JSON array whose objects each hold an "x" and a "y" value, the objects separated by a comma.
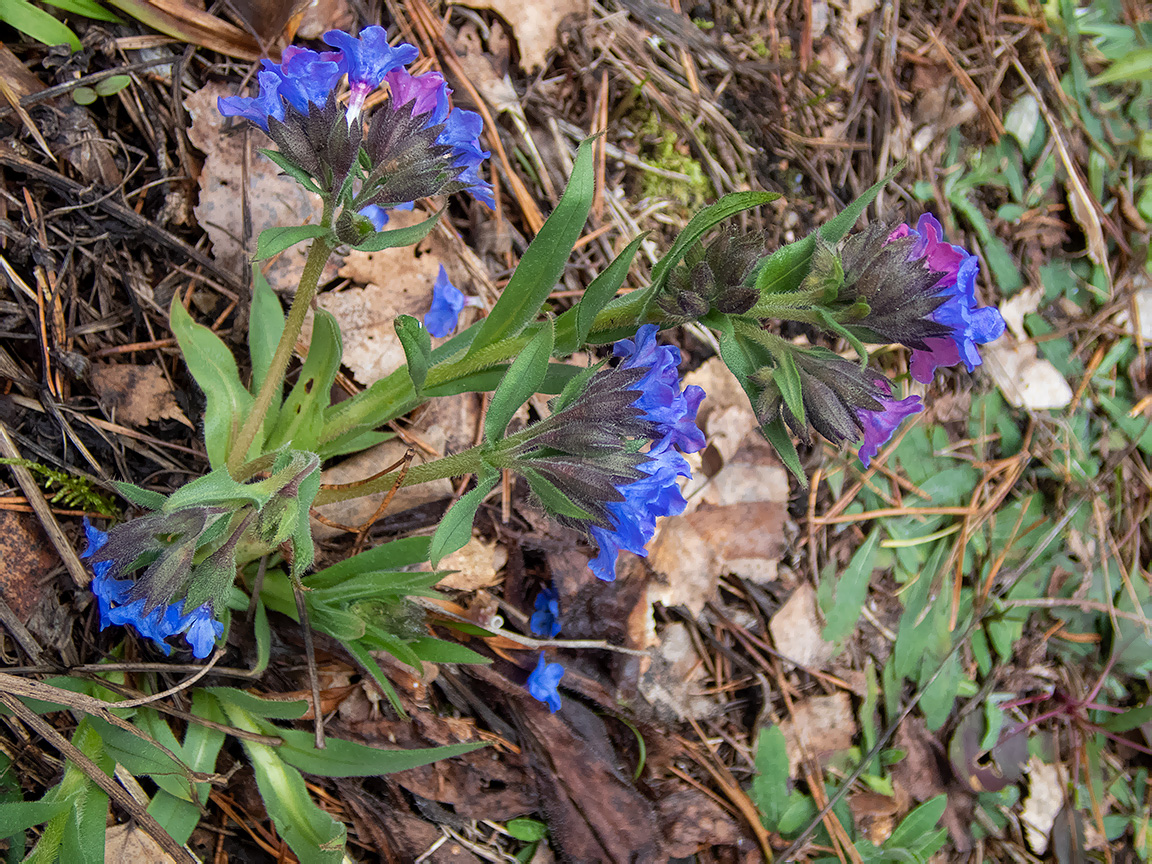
[
  {"x": 254, "y": 706},
  {"x": 702, "y": 223},
  {"x": 312, "y": 834},
  {"x": 35, "y": 22},
  {"x": 394, "y": 555},
  {"x": 273, "y": 241},
  {"x": 342, "y": 758},
  {"x": 787, "y": 378},
  {"x": 776, "y": 433},
  {"x": 441, "y": 651},
  {"x": 214, "y": 368},
  {"x": 544, "y": 260},
  {"x": 553, "y": 499},
  {"x": 455, "y": 529},
  {"x": 842, "y": 601},
  {"x": 769, "y": 790},
  {"x": 303, "y": 549},
  {"x": 139, "y": 496},
  {"x": 363, "y": 655},
  {"x": 524, "y": 377},
  {"x": 573, "y": 327},
  {"x": 302, "y": 415},
  {"x": 417, "y": 344},
  {"x": 265, "y": 324},
  {"x": 409, "y": 235},
  {"x": 785, "y": 269},
  {"x": 89, "y": 9}
]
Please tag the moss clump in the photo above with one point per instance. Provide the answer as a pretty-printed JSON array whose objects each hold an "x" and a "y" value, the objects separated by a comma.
[{"x": 663, "y": 148}]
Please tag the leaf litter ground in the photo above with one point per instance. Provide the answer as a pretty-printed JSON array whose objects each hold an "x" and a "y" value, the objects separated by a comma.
[{"x": 962, "y": 606}]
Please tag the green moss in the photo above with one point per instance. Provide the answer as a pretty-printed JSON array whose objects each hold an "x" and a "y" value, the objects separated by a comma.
[{"x": 665, "y": 149}]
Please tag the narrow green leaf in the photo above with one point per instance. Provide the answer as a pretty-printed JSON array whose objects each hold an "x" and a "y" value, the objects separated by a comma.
[
  {"x": 524, "y": 377},
  {"x": 455, "y": 529},
  {"x": 786, "y": 268},
  {"x": 409, "y": 235},
  {"x": 526, "y": 830},
  {"x": 214, "y": 368},
  {"x": 139, "y": 496},
  {"x": 302, "y": 415},
  {"x": 114, "y": 84},
  {"x": 787, "y": 378},
  {"x": 393, "y": 555},
  {"x": 175, "y": 815},
  {"x": 439, "y": 651},
  {"x": 18, "y": 816},
  {"x": 231, "y": 698},
  {"x": 265, "y": 324},
  {"x": 843, "y": 601},
  {"x": 341, "y": 758},
  {"x": 704, "y": 221},
  {"x": 573, "y": 326},
  {"x": 417, "y": 344},
  {"x": 1129, "y": 720},
  {"x": 769, "y": 790},
  {"x": 920, "y": 822},
  {"x": 362, "y": 655},
  {"x": 544, "y": 260},
  {"x": 97, "y": 12},
  {"x": 780, "y": 438},
  {"x": 273, "y": 241},
  {"x": 275, "y": 156},
  {"x": 263, "y": 633},
  {"x": 34, "y": 22}
]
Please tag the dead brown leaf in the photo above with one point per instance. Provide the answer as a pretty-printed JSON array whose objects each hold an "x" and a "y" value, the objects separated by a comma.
[
  {"x": 796, "y": 630},
  {"x": 28, "y": 556},
  {"x": 533, "y": 24},
  {"x": 127, "y": 844},
  {"x": 136, "y": 395},
  {"x": 693, "y": 822},
  {"x": 818, "y": 727}
]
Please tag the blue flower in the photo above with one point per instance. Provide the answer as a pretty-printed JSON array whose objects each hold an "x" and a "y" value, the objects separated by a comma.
[
  {"x": 306, "y": 76},
  {"x": 633, "y": 520},
  {"x": 114, "y": 603},
  {"x": 969, "y": 324},
  {"x": 543, "y": 681},
  {"x": 256, "y": 108},
  {"x": 368, "y": 59},
  {"x": 673, "y": 411},
  {"x": 447, "y": 303},
  {"x": 545, "y": 621},
  {"x": 880, "y": 425}
]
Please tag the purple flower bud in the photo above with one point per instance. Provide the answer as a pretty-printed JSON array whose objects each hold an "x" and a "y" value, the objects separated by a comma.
[
  {"x": 543, "y": 681},
  {"x": 368, "y": 59},
  {"x": 880, "y": 425},
  {"x": 447, "y": 303},
  {"x": 545, "y": 621}
]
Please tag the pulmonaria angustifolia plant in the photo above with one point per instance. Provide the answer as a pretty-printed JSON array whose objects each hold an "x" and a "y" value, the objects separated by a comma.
[{"x": 608, "y": 457}]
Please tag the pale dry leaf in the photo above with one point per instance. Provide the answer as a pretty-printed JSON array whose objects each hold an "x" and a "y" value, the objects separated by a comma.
[
  {"x": 796, "y": 630},
  {"x": 1045, "y": 798},
  {"x": 818, "y": 727},
  {"x": 533, "y": 23},
  {"x": 691, "y": 567},
  {"x": 477, "y": 565},
  {"x": 1017, "y": 306},
  {"x": 274, "y": 199},
  {"x": 674, "y": 682},
  {"x": 127, "y": 844},
  {"x": 1142, "y": 299},
  {"x": 1026, "y": 379},
  {"x": 136, "y": 395}
]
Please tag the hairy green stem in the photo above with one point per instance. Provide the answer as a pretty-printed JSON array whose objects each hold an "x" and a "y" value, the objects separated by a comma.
[
  {"x": 254, "y": 422},
  {"x": 455, "y": 465}
]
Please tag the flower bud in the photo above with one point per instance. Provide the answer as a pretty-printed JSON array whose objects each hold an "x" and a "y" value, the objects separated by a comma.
[{"x": 713, "y": 277}]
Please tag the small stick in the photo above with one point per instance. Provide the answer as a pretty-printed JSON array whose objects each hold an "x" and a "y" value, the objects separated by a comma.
[
  {"x": 310, "y": 659},
  {"x": 362, "y": 536}
]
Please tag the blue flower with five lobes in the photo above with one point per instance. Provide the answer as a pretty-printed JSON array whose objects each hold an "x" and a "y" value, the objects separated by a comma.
[
  {"x": 367, "y": 60},
  {"x": 448, "y": 302},
  {"x": 544, "y": 680}
]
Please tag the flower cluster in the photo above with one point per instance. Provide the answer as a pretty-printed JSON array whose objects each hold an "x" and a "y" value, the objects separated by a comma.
[
  {"x": 416, "y": 147},
  {"x": 593, "y": 449},
  {"x": 119, "y": 604}
]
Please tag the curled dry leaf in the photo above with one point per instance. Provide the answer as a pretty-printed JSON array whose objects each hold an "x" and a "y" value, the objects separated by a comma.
[
  {"x": 136, "y": 395},
  {"x": 1026, "y": 379}
]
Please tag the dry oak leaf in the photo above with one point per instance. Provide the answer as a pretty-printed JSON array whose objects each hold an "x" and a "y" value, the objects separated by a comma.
[
  {"x": 533, "y": 23},
  {"x": 136, "y": 395}
]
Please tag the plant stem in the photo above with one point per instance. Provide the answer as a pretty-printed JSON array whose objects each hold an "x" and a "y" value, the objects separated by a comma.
[
  {"x": 455, "y": 465},
  {"x": 254, "y": 422}
]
